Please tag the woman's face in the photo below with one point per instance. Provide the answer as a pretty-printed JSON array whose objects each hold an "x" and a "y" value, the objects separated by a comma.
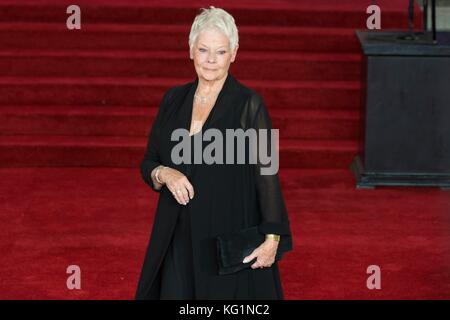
[{"x": 212, "y": 55}]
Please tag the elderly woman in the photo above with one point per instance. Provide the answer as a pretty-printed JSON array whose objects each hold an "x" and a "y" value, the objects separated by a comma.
[{"x": 200, "y": 201}]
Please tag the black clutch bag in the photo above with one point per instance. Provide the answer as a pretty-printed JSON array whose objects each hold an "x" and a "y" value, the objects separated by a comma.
[{"x": 232, "y": 248}]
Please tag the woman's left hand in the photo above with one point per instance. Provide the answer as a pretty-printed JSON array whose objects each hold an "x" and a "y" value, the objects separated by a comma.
[{"x": 265, "y": 254}]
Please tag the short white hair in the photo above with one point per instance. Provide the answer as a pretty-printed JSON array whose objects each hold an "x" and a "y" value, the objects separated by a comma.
[{"x": 214, "y": 18}]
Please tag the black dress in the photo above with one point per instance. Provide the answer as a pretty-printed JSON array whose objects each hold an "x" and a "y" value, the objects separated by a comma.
[
  {"x": 177, "y": 270},
  {"x": 228, "y": 198}
]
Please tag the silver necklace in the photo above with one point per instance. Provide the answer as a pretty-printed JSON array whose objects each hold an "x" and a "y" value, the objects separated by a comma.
[{"x": 204, "y": 99}]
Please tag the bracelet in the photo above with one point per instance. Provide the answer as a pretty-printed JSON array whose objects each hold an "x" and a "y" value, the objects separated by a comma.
[
  {"x": 275, "y": 237},
  {"x": 157, "y": 174}
]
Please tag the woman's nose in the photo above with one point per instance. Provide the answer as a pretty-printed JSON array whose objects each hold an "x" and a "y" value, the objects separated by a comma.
[{"x": 212, "y": 58}]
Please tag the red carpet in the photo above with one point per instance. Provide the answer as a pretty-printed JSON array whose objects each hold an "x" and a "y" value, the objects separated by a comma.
[{"x": 71, "y": 99}]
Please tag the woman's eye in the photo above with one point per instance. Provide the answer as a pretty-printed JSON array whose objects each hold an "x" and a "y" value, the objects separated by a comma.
[
  {"x": 202, "y": 50},
  {"x": 222, "y": 52}
]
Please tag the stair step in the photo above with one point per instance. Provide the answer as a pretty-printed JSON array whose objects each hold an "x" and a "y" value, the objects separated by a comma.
[
  {"x": 287, "y": 13},
  {"x": 119, "y": 63},
  {"x": 135, "y": 121},
  {"x": 93, "y": 91},
  {"x": 43, "y": 150},
  {"x": 45, "y": 36},
  {"x": 292, "y": 179},
  {"x": 317, "y": 153}
]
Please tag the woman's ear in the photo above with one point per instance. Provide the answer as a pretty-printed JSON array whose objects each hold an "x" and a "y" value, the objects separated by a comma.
[{"x": 234, "y": 53}]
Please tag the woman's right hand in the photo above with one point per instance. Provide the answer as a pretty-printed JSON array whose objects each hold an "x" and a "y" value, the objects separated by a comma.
[{"x": 178, "y": 184}]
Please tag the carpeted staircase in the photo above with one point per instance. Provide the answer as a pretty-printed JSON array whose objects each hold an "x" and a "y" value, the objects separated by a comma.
[{"x": 87, "y": 97}]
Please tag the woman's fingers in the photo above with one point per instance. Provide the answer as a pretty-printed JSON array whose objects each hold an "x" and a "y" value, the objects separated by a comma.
[
  {"x": 261, "y": 263},
  {"x": 190, "y": 189},
  {"x": 175, "y": 191},
  {"x": 250, "y": 257},
  {"x": 258, "y": 264},
  {"x": 175, "y": 194},
  {"x": 181, "y": 188},
  {"x": 264, "y": 257},
  {"x": 179, "y": 194},
  {"x": 186, "y": 189},
  {"x": 184, "y": 195}
]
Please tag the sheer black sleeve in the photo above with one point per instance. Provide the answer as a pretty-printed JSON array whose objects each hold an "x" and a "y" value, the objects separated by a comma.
[
  {"x": 274, "y": 217},
  {"x": 151, "y": 156}
]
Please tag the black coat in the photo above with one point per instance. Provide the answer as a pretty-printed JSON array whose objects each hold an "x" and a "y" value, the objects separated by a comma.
[{"x": 227, "y": 197}]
